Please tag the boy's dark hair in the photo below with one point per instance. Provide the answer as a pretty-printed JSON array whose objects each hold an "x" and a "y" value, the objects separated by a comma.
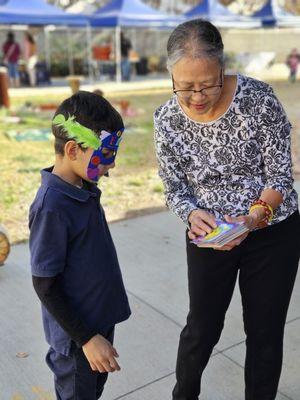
[{"x": 90, "y": 110}]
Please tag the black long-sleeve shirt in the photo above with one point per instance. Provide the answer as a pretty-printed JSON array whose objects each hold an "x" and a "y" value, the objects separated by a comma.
[{"x": 50, "y": 293}]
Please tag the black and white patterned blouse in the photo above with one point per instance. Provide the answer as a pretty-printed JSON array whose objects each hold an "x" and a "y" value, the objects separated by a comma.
[{"x": 222, "y": 166}]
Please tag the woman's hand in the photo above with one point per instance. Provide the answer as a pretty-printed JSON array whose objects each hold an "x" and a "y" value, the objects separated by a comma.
[
  {"x": 251, "y": 221},
  {"x": 202, "y": 222},
  {"x": 248, "y": 220}
]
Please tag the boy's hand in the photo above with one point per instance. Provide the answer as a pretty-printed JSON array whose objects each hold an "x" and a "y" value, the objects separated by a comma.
[{"x": 101, "y": 354}]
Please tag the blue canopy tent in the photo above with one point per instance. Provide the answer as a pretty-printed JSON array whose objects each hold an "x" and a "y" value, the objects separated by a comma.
[
  {"x": 39, "y": 12},
  {"x": 130, "y": 13},
  {"x": 263, "y": 17},
  {"x": 201, "y": 10},
  {"x": 270, "y": 14},
  {"x": 266, "y": 15},
  {"x": 285, "y": 18},
  {"x": 221, "y": 16}
]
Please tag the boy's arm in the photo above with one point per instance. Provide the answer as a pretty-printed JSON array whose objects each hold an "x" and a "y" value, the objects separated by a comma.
[
  {"x": 98, "y": 351},
  {"x": 48, "y": 242},
  {"x": 52, "y": 297},
  {"x": 48, "y": 246}
]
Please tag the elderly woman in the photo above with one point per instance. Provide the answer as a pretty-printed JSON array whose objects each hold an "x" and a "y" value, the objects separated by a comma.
[{"x": 223, "y": 147}]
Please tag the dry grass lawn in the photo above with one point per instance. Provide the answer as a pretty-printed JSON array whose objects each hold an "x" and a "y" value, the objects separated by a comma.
[{"x": 133, "y": 186}]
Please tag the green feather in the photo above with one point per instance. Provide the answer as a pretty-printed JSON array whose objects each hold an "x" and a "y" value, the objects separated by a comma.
[{"x": 81, "y": 134}]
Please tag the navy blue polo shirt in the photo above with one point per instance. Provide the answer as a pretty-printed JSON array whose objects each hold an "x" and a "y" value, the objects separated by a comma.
[{"x": 69, "y": 236}]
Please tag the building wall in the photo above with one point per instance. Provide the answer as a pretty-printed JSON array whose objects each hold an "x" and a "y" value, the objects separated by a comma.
[{"x": 281, "y": 41}]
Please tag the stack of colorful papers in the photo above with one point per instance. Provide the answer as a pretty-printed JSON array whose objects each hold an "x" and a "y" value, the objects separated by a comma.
[{"x": 223, "y": 234}]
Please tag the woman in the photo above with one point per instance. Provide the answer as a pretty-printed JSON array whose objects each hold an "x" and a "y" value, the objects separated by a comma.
[
  {"x": 223, "y": 147},
  {"x": 30, "y": 55}
]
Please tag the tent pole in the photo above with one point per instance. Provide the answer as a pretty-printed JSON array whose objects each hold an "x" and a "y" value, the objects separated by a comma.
[
  {"x": 134, "y": 44},
  {"x": 70, "y": 52},
  {"x": 89, "y": 52},
  {"x": 118, "y": 54},
  {"x": 47, "y": 48}
]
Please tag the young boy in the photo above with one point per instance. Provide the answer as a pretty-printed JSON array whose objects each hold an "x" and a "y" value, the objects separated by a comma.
[{"x": 74, "y": 263}]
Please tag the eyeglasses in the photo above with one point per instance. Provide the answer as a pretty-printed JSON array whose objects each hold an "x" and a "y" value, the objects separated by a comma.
[{"x": 206, "y": 91}]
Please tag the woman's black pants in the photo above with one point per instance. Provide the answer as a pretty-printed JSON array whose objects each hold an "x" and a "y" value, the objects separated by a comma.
[{"x": 266, "y": 263}]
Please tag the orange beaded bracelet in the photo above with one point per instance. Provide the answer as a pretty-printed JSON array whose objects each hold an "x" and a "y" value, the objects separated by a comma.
[{"x": 268, "y": 211}]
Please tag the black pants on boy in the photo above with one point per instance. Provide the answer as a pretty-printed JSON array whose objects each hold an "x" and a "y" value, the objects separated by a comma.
[
  {"x": 73, "y": 376},
  {"x": 266, "y": 265}
]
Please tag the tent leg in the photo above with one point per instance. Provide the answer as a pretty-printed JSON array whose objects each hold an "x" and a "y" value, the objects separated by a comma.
[
  {"x": 89, "y": 53},
  {"x": 118, "y": 54},
  {"x": 70, "y": 52},
  {"x": 47, "y": 48}
]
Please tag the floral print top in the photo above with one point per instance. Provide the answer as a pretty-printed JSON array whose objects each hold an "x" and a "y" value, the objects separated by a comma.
[{"x": 222, "y": 166}]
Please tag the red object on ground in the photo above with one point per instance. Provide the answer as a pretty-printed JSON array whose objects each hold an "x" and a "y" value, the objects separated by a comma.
[{"x": 48, "y": 106}]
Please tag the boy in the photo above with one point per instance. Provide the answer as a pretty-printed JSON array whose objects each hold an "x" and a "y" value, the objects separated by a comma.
[{"x": 74, "y": 263}]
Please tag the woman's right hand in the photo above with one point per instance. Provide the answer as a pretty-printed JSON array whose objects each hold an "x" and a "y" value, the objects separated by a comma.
[{"x": 201, "y": 222}]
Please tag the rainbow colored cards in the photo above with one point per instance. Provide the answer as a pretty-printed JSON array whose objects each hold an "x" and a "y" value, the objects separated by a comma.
[{"x": 223, "y": 234}]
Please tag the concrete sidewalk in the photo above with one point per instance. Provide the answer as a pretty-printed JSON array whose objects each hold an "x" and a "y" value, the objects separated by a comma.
[{"x": 152, "y": 256}]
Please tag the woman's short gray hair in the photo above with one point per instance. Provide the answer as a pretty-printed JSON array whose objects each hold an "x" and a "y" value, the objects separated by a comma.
[{"x": 196, "y": 39}]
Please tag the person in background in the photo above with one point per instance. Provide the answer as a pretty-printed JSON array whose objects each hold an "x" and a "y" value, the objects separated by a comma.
[
  {"x": 292, "y": 62},
  {"x": 11, "y": 54},
  {"x": 125, "y": 63},
  {"x": 30, "y": 56}
]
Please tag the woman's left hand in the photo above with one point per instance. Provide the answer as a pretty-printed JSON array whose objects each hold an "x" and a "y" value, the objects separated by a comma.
[{"x": 251, "y": 222}]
